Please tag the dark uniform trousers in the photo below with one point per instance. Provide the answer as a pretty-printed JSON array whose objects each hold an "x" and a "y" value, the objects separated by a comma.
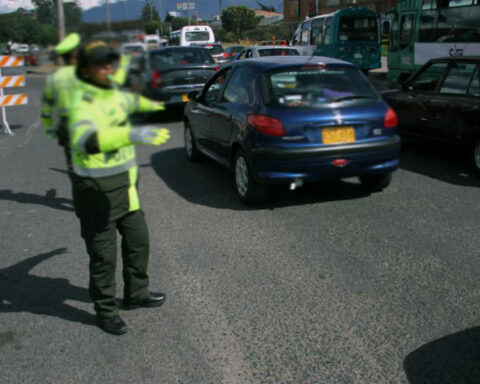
[{"x": 101, "y": 245}]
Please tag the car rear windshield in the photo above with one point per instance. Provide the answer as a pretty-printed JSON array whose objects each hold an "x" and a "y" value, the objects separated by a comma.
[
  {"x": 184, "y": 56},
  {"x": 277, "y": 52},
  {"x": 215, "y": 49},
  {"x": 312, "y": 87}
]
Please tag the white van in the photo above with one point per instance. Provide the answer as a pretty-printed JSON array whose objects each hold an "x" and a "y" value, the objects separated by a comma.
[{"x": 192, "y": 35}]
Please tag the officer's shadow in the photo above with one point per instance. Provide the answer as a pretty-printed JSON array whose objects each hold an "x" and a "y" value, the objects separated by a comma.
[{"x": 21, "y": 291}]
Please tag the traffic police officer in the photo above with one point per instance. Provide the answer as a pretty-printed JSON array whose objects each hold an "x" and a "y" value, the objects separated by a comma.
[
  {"x": 105, "y": 178},
  {"x": 58, "y": 93}
]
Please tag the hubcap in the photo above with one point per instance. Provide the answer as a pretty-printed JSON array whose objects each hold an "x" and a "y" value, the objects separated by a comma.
[
  {"x": 241, "y": 176},
  {"x": 476, "y": 155},
  {"x": 188, "y": 141}
]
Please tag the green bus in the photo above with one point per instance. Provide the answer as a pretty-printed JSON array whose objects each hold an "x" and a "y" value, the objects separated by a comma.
[
  {"x": 351, "y": 34},
  {"x": 424, "y": 29}
]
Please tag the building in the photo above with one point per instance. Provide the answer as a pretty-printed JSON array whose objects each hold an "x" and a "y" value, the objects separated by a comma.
[
  {"x": 268, "y": 18},
  {"x": 296, "y": 10}
]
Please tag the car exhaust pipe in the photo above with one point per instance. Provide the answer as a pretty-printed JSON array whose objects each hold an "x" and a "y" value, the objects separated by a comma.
[{"x": 295, "y": 184}]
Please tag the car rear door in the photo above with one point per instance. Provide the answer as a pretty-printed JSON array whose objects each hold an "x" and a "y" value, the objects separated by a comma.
[{"x": 451, "y": 109}]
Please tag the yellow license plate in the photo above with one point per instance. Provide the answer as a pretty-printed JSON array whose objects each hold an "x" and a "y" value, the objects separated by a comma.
[
  {"x": 337, "y": 135},
  {"x": 185, "y": 97}
]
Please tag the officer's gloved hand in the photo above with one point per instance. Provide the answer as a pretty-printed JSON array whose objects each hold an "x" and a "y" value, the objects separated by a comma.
[
  {"x": 149, "y": 136},
  {"x": 159, "y": 106}
]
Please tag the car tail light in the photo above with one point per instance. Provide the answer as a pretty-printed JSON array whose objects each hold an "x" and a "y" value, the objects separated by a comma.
[
  {"x": 266, "y": 125},
  {"x": 156, "y": 81},
  {"x": 232, "y": 54},
  {"x": 224, "y": 55},
  {"x": 391, "y": 119},
  {"x": 340, "y": 162},
  {"x": 217, "y": 68}
]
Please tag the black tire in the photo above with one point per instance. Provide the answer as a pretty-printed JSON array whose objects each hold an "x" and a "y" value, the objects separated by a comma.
[
  {"x": 375, "y": 183},
  {"x": 191, "y": 150},
  {"x": 475, "y": 156},
  {"x": 248, "y": 190}
]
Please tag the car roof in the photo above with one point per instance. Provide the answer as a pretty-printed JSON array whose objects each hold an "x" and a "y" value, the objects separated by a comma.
[
  {"x": 273, "y": 46},
  {"x": 276, "y": 62}
]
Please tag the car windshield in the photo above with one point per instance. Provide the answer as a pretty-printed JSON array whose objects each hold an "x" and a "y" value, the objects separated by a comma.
[
  {"x": 312, "y": 87},
  {"x": 277, "y": 52},
  {"x": 184, "y": 56},
  {"x": 197, "y": 36},
  {"x": 133, "y": 49}
]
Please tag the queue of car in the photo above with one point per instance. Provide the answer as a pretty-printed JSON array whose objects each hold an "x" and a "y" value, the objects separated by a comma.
[{"x": 277, "y": 118}]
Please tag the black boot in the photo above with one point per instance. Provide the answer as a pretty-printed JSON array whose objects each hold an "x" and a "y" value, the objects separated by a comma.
[
  {"x": 152, "y": 300},
  {"x": 114, "y": 325}
]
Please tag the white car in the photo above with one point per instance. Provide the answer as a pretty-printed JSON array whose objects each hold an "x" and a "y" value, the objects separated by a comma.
[{"x": 133, "y": 49}]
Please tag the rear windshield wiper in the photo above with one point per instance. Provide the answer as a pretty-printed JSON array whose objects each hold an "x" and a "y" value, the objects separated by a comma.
[{"x": 352, "y": 97}]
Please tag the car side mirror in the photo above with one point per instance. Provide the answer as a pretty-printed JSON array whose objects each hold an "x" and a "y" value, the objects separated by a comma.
[{"x": 193, "y": 95}]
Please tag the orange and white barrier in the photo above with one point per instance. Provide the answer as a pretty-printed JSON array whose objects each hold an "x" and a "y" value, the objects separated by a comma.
[
  {"x": 11, "y": 61},
  {"x": 11, "y": 81},
  {"x": 10, "y": 100}
]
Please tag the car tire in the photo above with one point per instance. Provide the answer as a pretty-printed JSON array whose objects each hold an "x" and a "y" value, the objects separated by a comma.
[
  {"x": 375, "y": 183},
  {"x": 248, "y": 190},
  {"x": 475, "y": 156},
  {"x": 191, "y": 150}
]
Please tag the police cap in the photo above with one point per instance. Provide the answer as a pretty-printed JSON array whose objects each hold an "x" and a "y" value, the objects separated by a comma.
[
  {"x": 97, "y": 52},
  {"x": 68, "y": 44}
]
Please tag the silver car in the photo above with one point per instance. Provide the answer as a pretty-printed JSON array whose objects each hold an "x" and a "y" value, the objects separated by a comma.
[{"x": 267, "y": 50}]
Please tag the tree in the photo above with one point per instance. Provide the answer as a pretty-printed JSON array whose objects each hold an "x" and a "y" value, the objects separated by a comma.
[
  {"x": 149, "y": 13},
  {"x": 264, "y": 7},
  {"x": 20, "y": 27},
  {"x": 179, "y": 22},
  {"x": 46, "y": 11},
  {"x": 239, "y": 18}
]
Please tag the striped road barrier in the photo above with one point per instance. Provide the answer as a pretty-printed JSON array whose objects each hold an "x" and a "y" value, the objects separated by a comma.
[
  {"x": 11, "y": 100},
  {"x": 10, "y": 81}
]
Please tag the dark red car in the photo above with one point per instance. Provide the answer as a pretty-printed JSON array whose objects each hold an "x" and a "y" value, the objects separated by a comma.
[{"x": 30, "y": 58}]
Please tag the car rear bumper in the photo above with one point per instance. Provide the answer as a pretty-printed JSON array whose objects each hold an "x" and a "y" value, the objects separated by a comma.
[
  {"x": 173, "y": 95},
  {"x": 274, "y": 165}
]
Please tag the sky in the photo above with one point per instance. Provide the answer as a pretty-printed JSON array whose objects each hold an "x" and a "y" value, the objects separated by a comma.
[{"x": 12, "y": 5}]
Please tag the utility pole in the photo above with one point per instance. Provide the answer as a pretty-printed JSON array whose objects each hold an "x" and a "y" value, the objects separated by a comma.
[
  {"x": 61, "y": 20},
  {"x": 107, "y": 11}
]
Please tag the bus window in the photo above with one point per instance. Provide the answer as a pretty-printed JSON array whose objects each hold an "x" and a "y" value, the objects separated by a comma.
[
  {"x": 427, "y": 26},
  {"x": 327, "y": 32},
  {"x": 316, "y": 33},
  {"x": 459, "y": 3},
  {"x": 305, "y": 37},
  {"x": 353, "y": 28},
  {"x": 406, "y": 31}
]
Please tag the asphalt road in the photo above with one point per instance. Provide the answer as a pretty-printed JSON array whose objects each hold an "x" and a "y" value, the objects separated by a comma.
[{"x": 321, "y": 285}]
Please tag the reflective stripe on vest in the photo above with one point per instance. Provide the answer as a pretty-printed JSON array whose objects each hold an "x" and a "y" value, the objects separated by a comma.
[{"x": 104, "y": 172}]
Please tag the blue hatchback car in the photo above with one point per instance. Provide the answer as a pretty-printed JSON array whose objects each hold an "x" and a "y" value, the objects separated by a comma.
[{"x": 293, "y": 119}]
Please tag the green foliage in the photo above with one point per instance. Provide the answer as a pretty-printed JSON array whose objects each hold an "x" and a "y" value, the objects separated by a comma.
[
  {"x": 149, "y": 13},
  {"x": 179, "y": 22},
  {"x": 46, "y": 11},
  {"x": 20, "y": 27},
  {"x": 239, "y": 18}
]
